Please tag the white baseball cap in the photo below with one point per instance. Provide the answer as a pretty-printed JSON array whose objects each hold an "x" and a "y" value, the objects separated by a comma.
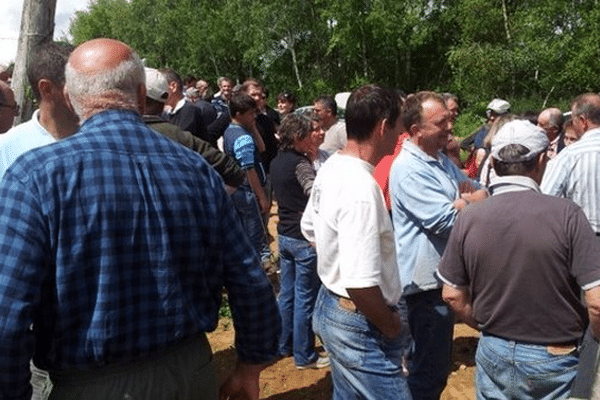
[
  {"x": 520, "y": 132},
  {"x": 499, "y": 106},
  {"x": 157, "y": 87}
]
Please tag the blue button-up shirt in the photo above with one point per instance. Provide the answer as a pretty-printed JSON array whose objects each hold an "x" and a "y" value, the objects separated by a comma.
[
  {"x": 575, "y": 174},
  {"x": 117, "y": 242},
  {"x": 422, "y": 192}
]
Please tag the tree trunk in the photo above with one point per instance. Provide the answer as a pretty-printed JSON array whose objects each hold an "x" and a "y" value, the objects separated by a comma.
[
  {"x": 295, "y": 62},
  {"x": 505, "y": 16},
  {"x": 37, "y": 27}
]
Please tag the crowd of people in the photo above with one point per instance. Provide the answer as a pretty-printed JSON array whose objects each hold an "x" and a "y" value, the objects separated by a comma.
[{"x": 133, "y": 197}]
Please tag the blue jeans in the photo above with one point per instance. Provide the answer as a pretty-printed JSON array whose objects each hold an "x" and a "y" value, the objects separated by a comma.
[
  {"x": 513, "y": 370},
  {"x": 431, "y": 326},
  {"x": 299, "y": 286},
  {"x": 364, "y": 364},
  {"x": 247, "y": 208}
]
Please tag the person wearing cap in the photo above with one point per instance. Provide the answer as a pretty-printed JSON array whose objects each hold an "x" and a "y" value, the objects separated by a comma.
[
  {"x": 474, "y": 142},
  {"x": 515, "y": 267},
  {"x": 157, "y": 89}
]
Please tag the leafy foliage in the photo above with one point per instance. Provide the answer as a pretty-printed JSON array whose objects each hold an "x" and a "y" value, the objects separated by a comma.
[{"x": 478, "y": 48}]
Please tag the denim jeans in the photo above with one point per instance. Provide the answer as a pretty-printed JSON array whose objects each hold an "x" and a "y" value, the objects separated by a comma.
[
  {"x": 247, "y": 208},
  {"x": 364, "y": 364},
  {"x": 511, "y": 370},
  {"x": 299, "y": 286},
  {"x": 431, "y": 326}
]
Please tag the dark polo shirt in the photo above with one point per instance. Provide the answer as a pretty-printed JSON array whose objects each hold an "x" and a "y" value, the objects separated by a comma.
[{"x": 525, "y": 257}]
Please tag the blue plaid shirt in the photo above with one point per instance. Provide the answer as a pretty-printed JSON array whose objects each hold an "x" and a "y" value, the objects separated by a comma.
[{"x": 117, "y": 242}]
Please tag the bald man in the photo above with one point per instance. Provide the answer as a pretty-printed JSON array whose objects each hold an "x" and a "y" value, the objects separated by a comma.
[
  {"x": 8, "y": 107},
  {"x": 551, "y": 121},
  {"x": 574, "y": 174},
  {"x": 118, "y": 242}
]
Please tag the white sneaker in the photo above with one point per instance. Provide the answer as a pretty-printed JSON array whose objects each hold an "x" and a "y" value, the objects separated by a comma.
[{"x": 321, "y": 362}]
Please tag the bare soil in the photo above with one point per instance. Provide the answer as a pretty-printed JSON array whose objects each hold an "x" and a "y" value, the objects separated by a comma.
[{"x": 282, "y": 381}]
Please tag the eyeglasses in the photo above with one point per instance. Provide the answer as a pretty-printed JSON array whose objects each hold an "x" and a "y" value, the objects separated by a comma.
[{"x": 15, "y": 107}]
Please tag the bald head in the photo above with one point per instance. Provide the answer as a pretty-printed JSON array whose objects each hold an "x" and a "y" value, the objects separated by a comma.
[
  {"x": 551, "y": 120},
  {"x": 8, "y": 107},
  {"x": 105, "y": 74},
  {"x": 99, "y": 55},
  {"x": 585, "y": 111}
]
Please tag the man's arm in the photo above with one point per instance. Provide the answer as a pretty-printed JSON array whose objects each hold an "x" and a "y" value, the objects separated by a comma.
[
  {"x": 258, "y": 190},
  {"x": 592, "y": 300},
  {"x": 424, "y": 198},
  {"x": 254, "y": 309},
  {"x": 459, "y": 300},
  {"x": 369, "y": 301},
  {"x": 221, "y": 162},
  {"x": 26, "y": 246}
]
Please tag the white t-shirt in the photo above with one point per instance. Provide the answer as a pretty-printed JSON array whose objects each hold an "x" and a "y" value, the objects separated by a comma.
[
  {"x": 347, "y": 219},
  {"x": 335, "y": 138}
]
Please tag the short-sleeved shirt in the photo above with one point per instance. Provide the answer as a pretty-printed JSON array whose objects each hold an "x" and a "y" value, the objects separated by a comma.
[
  {"x": 347, "y": 219},
  {"x": 335, "y": 138},
  {"x": 524, "y": 257},
  {"x": 574, "y": 175},
  {"x": 239, "y": 143}
]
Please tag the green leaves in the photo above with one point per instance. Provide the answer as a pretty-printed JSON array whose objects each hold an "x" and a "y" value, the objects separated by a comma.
[{"x": 477, "y": 48}]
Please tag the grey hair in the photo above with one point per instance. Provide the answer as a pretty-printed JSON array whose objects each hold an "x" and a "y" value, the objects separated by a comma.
[{"x": 115, "y": 88}]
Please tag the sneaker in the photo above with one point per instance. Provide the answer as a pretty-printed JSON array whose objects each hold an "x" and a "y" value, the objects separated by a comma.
[{"x": 321, "y": 362}]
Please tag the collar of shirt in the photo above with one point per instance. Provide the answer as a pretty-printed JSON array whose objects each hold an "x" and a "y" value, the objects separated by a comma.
[
  {"x": 588, "y": 134},
  {"x": 512, "y": 183},
  {"x": 178, "y": 106},
  {"x": 419, "y": 153}
]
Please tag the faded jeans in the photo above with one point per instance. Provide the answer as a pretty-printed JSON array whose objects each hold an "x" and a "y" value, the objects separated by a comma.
[
  {"x": 299, "y": 286},
  {"x": 364, "y": 364},
  {"x": 506, "y": 369}
]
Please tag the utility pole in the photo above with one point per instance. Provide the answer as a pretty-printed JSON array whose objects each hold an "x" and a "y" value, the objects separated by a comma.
[{"x": 37, "y": 27}]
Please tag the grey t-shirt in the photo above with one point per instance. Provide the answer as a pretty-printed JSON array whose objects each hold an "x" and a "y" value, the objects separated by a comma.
[{"x": 525, "y": 257}]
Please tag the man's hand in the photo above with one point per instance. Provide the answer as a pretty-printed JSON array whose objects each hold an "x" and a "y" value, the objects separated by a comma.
[
  {"x": 459, "y": 300},
  {"x": 469, "y": 197},
  {"x": 242, "y": 384},
  {"x": 265, "y": 205},
  {"x": 370, "y": 302},
  {"x": 477, "y": 195},
  {"x": 466, "y": 187}
]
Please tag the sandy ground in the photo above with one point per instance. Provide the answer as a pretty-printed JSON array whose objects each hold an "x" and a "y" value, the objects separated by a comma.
[{"x": 283, "y": 381}]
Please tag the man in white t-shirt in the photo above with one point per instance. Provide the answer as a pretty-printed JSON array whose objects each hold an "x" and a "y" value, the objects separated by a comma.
[
  {"x": 357, "y": 314},
  {"x": 335, "y": 130}
]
